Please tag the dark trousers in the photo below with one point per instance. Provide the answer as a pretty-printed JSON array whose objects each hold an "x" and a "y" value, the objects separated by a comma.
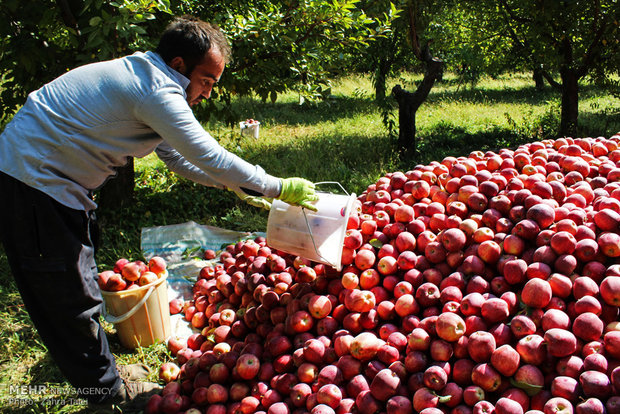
[{"x": 51, "y": 252}]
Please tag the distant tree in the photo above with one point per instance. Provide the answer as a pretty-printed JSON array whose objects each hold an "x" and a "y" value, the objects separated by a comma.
[
  {"x": 470, "y": 50},
  {"x": 572, "y": 38},
  {"x": 418, "y": 15},
  {"x": 277, "y": 45},
  {"x": 387, "y": 54}
]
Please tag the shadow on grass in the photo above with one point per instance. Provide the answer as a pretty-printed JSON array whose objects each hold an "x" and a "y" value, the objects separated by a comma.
[
  {"x": 525, "y": 95},
  {"x": 339, "y": 107},
  {"x": 289, "y": 113},
  {"x": 595, "y": 124}
]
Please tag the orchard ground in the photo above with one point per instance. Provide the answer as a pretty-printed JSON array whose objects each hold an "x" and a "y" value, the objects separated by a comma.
[{"x": 342, "y": 139}]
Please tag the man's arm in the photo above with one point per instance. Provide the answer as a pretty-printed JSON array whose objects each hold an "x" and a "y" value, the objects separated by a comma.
[
  {"x": 169, "y": 115},
  {"x": 179, "y": 165}
]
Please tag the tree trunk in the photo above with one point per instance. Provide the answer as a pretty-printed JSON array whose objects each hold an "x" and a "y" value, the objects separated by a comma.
[
  {"x": 380, "y": 80},
  {"x": 120, "y": 189},
  {"x": 539, "y": 79},
  {"x": 409, "y": 102},
  {"x": 380, "y": 85},
  {"x": 407, "y": 107},
  {"x": 570, "y": 102}
]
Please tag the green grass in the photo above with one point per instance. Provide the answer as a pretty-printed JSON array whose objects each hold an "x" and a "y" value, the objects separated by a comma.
[{"x": 341, "y": 139}]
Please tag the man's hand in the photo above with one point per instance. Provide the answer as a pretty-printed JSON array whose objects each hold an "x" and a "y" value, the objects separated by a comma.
[
  {"x": 298, "y": 192},
  {"x": 260, "y": 202}
]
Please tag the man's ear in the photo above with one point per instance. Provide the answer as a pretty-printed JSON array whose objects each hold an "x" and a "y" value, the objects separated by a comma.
[{"x": 177, "y": 63}]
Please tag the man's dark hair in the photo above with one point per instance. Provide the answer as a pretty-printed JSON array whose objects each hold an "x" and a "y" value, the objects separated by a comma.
[{"x": 191, "y": 38}]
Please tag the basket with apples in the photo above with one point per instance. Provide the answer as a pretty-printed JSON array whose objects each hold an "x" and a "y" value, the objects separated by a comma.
[
  {"x": 135, "y": 294},
  {"x": 127, "y": 275}
]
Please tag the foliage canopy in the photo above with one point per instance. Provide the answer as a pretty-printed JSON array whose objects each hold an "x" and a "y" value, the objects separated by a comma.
[
  {"x": 277, "y": 46},
  {"x": 299, "y": 45}
]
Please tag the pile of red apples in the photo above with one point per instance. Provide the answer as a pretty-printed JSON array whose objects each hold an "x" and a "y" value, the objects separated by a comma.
[{"x": 474, "y": 285}]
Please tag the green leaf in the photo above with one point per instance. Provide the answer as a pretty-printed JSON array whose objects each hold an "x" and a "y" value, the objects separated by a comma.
[
  {"x": 95, "y": 21},
  {"x": 529, "y": 389}
]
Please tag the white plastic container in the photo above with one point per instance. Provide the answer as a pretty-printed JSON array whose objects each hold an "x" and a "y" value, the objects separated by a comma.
[
  {"x": 250, "y": 129},
  {"x": 317, "y": 236}
]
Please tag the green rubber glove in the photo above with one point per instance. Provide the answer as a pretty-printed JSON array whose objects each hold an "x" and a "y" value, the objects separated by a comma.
[
  {"x": 298, "y": 192},
  {"x": 260, "y": 202}
]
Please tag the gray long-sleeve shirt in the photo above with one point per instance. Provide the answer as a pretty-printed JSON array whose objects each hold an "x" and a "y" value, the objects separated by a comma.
[{"x": 70, "y": 135}]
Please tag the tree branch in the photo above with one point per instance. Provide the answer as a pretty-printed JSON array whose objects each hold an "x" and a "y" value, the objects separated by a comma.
[
  {"x": 512, "y": 14},
  {"x": 434, "y": 68},
  {"x": 550, "y": 79}
]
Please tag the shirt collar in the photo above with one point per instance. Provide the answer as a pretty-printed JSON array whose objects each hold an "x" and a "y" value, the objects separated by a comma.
[
  {"x": 182, "y": 79},
  {"x": 179, "y": 77}
]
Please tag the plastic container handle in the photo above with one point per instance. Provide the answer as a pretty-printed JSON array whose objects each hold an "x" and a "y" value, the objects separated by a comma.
[
  {"x": 333, "y": 182},
  {"x": 130, "y": 312}
]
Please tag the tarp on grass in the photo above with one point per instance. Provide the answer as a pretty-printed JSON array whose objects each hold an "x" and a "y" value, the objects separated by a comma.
[{"x": 182, "y": 246}]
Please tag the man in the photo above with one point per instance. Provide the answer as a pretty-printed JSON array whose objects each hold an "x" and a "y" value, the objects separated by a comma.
[{"x": 65, "y": 143}]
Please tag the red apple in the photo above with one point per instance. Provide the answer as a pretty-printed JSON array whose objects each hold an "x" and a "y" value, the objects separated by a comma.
[
  {"x": 301, "y": 321},
  {"x": 480, "y": 346},
  {"x": 560, "y": 342},
  {"x": 508, "y": 406},
  {"x": 591, "y": 406},
  {"x": 365, "y": 346},
  {"x": 169, "y": 371},
  {"x": 247, "y": 366},
  {"x": 146, "y": 278},
  {"x": 157, "y": 265},
  {"x": 330, "y": 395},
  {"x": 364, "y": 259},
  {"x": 450, "y": 326},
  {"x": 385, "y": 384},
  {"x": 536, "y": 293},
  {"x": 319, "y": 306},
  {"x": 532, "y": 349},
  {"x": 610, "y": 290},
  {"x": 505, "y": 360},
  {"x": 131, "y": 271},
  {"x": 486, "y": 377},
  {"x": 588, "y": 326},
  {"x": 529, "y": 378},
  {"x": 595, "y": 384},
  {"x": 565, "y": 387},
  {"x": 115, "y": 283},
  {"x": 558, "y": 405}
]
